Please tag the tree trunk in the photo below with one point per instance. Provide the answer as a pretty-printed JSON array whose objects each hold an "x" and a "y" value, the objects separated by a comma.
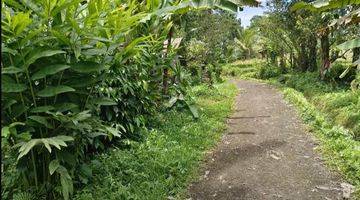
[
  {"x": 325, "y": 53},
  {"x": 292, "y": 59},
  {"x": 312, "y": 54},
  {"x": 282, "y": 62},
  {"x": 166, "y": 69},
  {"x": 303, "y": 58}
]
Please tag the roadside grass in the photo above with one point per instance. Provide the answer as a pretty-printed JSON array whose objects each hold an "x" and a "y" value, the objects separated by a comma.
[
  {"x": 162, "y": 166},
  {"x": 246, "y": 69},
  {"x": 331, "y": 111},
  {"x": 338, "y": 146}
]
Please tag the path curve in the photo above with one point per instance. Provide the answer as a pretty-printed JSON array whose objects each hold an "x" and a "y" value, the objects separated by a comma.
[{"x": 266, "y": 154}]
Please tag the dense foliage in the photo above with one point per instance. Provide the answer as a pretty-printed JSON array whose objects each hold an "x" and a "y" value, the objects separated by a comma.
[
  {"x": 78, "y": 76},
  {"x": 163, "y": 166},
  {"x": 309, "y": 36},
  {"x": 208, "y": 37}
]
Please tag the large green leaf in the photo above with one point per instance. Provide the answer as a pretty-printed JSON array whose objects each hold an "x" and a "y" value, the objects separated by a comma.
[
  {"x": 14, "y": 3},
  {"x": 40, "y": 54},
  {"x": 64, "y": 5},
  {"x": 351, "y": 44},
  {"x": 41, "y": 109},
  {"x": 49, "y": 70},
  {"x": 186, "y": 6},
  {"x": 54, "y": 90},
  {"x": 87, "y": 67},
  {"x": 323, "y": 5},
  {"x": 7, "y": 87},
  {"x": 62, "y": 38},
  {"x": 7, "y": 130},
  {"x": 113, "y": 131},
  {"x": 18, "y": 109},
  {"x": 227, "y": 5},
  {"x": 66, "y": 182},
  {"x": 57, "y": 141},
  {"x": 30, "y": 35},
  {"x": 94, "y": 52},
  {"x": 8, "y": 103},
  {"x": 53, "y": 166},
  {"x": 171, "y": 102},
  {"x": 194, "y": 111},
  {"x": 5, "y": 49},
  {"x": 82, "y": 81},
  {"x": 11, "y": 70},
  {"x": 19, "y": 22},
  {"x": 104, "y": 101},
  {"x": 42, "y": 120},
  {"x": 26, "y": 147},
  {"x": 65, "y": 106}
]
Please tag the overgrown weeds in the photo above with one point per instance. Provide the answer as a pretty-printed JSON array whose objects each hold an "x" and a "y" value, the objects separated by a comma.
[
  {"x": 163, "y": 165},
  {"x": 338, "y": 145}
]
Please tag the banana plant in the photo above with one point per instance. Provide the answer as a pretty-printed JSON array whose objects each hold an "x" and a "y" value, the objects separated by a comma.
[
  {"x": 170, "y": 10},
  {"x": 351, "y": 18}
]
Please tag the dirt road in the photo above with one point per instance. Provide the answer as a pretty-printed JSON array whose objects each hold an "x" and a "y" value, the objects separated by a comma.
[{"x": 266, "y": 154}]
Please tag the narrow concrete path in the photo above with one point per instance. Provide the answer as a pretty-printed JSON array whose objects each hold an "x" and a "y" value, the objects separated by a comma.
[{"x": 266, "y": 154}]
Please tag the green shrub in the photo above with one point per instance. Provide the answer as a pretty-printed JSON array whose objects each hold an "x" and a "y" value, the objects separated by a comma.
[
  {"x": 336, "y": 69},
  {"x": 243, "y": 69},
  {"x": 76, "y": 76},
  {"x": 309, "y": 83},
  {"x": 342, "y": 108},
  {"x": 268, "y": 71}
]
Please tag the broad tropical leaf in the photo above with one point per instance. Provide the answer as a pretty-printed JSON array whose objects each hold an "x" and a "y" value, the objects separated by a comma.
[
  {"x": 40, "y": 54},
  {"x": 51, "y": 91},
  {"x": 19, "y": 22},
  {"x": 5, "y": 49},
  {"x": 66, "y": 182},
  {"x": 42, "y": 120},
  {"x": 113, "y": 131},
  {"x": 323, "y": 5},
  {"x": 87, "y": 67},
  {"x": 194, "y": 111},
  {"x": 49, "y": 70},
  {"x": 7, "y": 87},
  {"x": 41, "y": 109},
  {"x": 57, "y": 141},
  {"x": 11, "y": 70},
  {"x": 351, "y": 44},
  {"x": 53, "y": 166},
  {"x": 9, "y": 103},
  {"x": 104, "y": 101}
]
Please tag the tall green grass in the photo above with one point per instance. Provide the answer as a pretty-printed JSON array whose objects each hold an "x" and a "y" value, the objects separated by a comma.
[
  {"x": 338, "y": 146},
  {"x": 162, "y": 166}
]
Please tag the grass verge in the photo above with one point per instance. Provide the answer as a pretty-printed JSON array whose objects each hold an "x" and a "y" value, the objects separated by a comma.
[
  {"x": 338, "y": 147},
  {"x": 162, "y": 166}
]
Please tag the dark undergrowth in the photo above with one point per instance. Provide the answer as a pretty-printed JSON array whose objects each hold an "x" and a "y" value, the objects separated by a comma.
[{"x": 162, "y": 166}]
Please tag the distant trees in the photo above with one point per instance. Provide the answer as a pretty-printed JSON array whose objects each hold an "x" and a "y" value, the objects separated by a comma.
[{"x": 306, "y": 34}]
